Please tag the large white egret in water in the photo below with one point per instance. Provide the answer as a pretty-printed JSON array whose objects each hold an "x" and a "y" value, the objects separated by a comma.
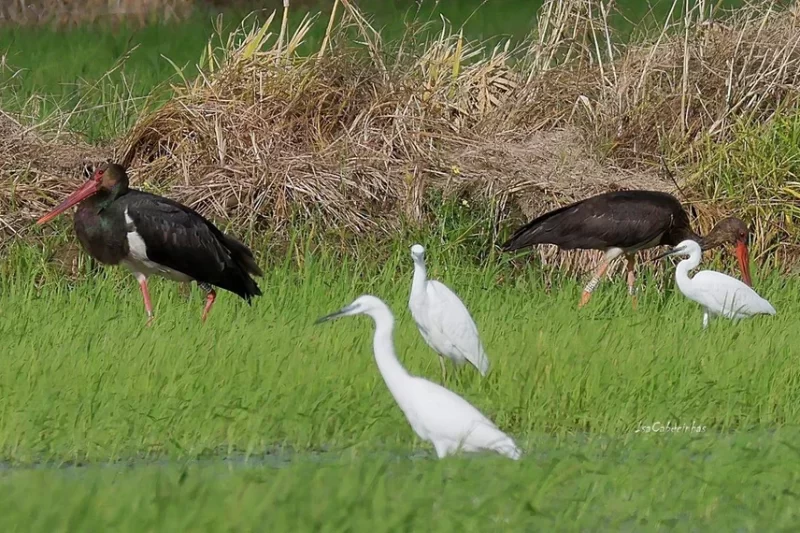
[
  {"x": 436, "y": 414},
  {"x": 717, "y": 293},
  {"x": 443, "y": 319}
]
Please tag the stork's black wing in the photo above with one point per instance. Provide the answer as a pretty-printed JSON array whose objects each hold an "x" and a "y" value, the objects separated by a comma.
[
  {"x": 623, "y": 219},
  {"x": 178, "y": 237}
]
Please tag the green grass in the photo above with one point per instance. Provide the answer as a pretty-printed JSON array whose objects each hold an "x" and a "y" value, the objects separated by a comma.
[
  {"x": 315, "y": 441},
  {"x": 84, "y": 381},
  {"x": 738, "y": 482},
  {"x": 759, "y": 165},
  {"x": 312, "y": 438}
]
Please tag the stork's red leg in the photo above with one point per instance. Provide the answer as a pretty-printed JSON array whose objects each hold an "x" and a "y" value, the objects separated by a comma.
[
  {"x": 212, "y": 295},
  {"x": 590, "y": 287},
  {"x": 146, "y": 295},
  {"x": 600, "y": 271},
  {"x": 630, "y": 266}
]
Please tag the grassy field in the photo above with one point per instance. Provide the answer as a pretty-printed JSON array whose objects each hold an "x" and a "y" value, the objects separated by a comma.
[
  {"x": 261, "y": 417},
  {"x": 313, "y": 439},
  {"x": 737, "y": 482}
]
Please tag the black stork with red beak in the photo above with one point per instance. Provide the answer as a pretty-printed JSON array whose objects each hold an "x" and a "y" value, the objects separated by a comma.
[
  {"x": 625, "y": 222},
  {"x": 150, "y": 235}
]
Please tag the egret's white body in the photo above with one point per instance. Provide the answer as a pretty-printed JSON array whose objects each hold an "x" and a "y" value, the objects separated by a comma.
[
  {"x": 436, "y": 414},
  {"x": 443, "y": 319},
  {"x": 717, "y": 293}
]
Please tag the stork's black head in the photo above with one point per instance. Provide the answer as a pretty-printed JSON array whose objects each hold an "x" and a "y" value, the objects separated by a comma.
[
  {"x": 729, "y": 230},
  {"x": 108, "y": 181},
  {"x": 734, "y": 231},
  {"x": 112, "y": 179}
]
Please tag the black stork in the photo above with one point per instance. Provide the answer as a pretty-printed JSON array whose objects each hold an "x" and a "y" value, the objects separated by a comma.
[
  {"x": 150, "y": 235},
  {"x": 625, "y": 222}
]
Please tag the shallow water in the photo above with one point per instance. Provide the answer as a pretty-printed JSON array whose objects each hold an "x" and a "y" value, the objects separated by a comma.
[
  {"x": 576, "y": 482},
  {"x": 584, "y": 446},
  {"x": 237, "y": 460}
]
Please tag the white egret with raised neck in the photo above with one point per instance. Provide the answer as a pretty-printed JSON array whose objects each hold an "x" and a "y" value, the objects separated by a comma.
[
  {"x": 443, "y": 319},
  {"x": 437, "y": 415}
]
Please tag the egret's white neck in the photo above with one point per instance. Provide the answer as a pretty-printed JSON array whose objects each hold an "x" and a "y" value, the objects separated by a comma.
[
  {"x": 420, "y": 277},
  {"x": 686, "y": 266},
  {"x": 383, "y": 346}
]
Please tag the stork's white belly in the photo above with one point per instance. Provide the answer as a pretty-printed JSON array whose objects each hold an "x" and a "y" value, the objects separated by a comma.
[
  {"x": 149, "y": 268},
  {"x": 137, "y": 260}
]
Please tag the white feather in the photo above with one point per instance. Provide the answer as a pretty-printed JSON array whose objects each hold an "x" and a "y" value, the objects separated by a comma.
[
  {"x": 137, "y": 260},
  {"x": 718, "y": 293},
  {"x": 443, "y": 319},
  {"x": 436, "y": 414},
  {"x": 450, "y": 423},
  {"x": 727, "y": 296}
]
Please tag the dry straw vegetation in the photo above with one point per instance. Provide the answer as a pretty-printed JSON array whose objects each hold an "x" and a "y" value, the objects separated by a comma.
[{"x": 363, "y": 133}]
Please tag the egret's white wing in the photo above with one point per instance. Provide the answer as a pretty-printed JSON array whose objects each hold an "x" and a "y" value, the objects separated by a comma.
[
  {"x": 447, "y": 416},
  {"x": 450, "y": 316},
  {"x": 724, "y": 294}
]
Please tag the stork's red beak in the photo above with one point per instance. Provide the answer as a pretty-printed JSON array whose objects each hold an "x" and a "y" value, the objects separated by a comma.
[
  {"x": 744, "y": 261},
  {"x": 85, "y": 191}
]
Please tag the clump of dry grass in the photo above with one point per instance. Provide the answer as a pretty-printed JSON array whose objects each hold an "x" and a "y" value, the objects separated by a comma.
[
  {"x": 34, "y": 169},
  {"x": 361, "y": 131},
  {"x": 696, "y": 77},
  {"x": 356, "y": 136}
]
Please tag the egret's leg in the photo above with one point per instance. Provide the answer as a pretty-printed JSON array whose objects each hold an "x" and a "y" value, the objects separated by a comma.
[
  {"x": 458, "y": 372},
  {"x": 600, "y": 271},
  {"x": 444, "y": 371},
  {"x": 705, "y": 318},
  {"x": 148, "y": 306},
  {"x": 441, "y": 450},
  {"x": 630, "y": 266}
]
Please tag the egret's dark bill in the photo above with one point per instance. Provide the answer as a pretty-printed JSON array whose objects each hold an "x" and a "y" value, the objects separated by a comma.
[
  {"x": 665, "y": 254},
  {"x": 331, "y": 316}
]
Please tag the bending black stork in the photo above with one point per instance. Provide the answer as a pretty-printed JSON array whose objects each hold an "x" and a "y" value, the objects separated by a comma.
[
  {"x": 624, "y": 222},
  {"x": 150, "y": 235}
]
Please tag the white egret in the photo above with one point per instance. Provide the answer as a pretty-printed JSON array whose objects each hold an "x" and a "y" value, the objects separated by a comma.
[
  {"x": 717, "y": 293},
  {"x": 436, "y": 414},
  {"x": 443, "y": 320}
]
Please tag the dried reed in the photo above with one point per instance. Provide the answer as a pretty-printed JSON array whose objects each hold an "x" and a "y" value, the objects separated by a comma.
[{"x": 361, "y": 132}]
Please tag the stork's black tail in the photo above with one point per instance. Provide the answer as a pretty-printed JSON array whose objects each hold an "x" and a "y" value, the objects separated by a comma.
[
  {"x": 244, "y": 266},
  {"x": 541, "y": 230}
]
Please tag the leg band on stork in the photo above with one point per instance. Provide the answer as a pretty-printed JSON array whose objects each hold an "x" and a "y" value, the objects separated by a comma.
[{"x": 600, "y": 271}]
